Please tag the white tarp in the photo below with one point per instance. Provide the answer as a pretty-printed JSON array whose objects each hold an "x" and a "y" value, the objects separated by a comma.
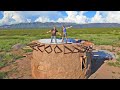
[{"x": 48, "y": 41}]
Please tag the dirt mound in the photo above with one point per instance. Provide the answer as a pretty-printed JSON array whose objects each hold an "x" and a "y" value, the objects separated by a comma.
[
  {"x": 17, "y": 46},
  {"x": 20, "y": 69},
  {"x": 106, "y": 72}
]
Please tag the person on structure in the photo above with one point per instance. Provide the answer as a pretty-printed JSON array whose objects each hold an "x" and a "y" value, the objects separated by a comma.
[
  {"x": 53, "y": 34},
  {"x": 64, "y": 33}
]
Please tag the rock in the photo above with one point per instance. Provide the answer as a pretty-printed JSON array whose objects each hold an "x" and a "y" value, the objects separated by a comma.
[{"x": 18, "y": 46}]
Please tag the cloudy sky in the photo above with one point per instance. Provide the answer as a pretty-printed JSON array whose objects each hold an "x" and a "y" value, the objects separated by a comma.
[{"x": 81, "y": 17}]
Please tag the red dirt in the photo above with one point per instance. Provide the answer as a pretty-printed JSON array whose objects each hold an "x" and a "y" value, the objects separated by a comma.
[
  {"x": 106, "y": 72},
  {"x": 20, "y": 69}
]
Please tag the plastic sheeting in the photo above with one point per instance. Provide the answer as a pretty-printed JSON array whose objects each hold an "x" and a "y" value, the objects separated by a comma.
[{"x": 102, "y": 55}]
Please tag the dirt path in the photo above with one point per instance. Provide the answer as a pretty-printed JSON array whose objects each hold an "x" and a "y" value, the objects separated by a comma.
[{"x": 106, "y": 72}]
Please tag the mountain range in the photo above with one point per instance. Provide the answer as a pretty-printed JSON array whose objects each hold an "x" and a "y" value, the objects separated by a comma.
[{"x": 51, "y": 24}]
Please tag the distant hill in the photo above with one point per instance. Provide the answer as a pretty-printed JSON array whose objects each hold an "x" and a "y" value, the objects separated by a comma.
[{"x": 51, "y": 24}]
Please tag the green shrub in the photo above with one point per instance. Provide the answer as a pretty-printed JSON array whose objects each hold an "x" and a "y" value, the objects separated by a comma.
[{"x": 3, "y": 75}]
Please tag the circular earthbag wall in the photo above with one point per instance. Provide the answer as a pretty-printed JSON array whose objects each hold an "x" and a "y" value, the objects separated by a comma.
[{"x": 60, "y": 61}]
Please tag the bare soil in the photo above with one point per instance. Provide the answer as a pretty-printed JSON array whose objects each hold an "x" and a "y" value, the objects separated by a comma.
[
  {"x": 21, "y": 69},
  {"x": 106, "y": 72}
]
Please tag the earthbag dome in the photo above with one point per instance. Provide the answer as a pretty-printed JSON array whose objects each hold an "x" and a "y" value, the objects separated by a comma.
[{"x": 60, "y": 61}]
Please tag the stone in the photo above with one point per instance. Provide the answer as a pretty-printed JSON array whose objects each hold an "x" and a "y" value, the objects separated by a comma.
[{"x": 17, "y": 46}]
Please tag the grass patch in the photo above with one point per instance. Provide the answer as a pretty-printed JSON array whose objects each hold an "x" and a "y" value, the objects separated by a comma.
[
  {"x": 15, "y": 57},
  {"x": 2, "y": 64},
  {"x": 27, "y": 50},
  {"x": 3, "y": 75},
  {"x": 7, "y": 58},
  {"x": 115, "y": 64},
  {"x": 118, "y": 54}
]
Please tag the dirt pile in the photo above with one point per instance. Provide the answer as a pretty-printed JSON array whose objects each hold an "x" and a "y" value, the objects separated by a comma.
[
  {"x": 20, "y": 69},
  {"x": 17, "y": 46},
  {"x": 106, "y": 72}
]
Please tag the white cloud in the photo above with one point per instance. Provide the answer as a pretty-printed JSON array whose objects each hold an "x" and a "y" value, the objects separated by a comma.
[
  {"x": 106, "y": 17},
  {"x": 98, "y": 18},
  {"x": 74, "y": 17},
  {"x": 113, "y": 17},
  {"x": 40, "y": 13},
  {"x": 49, "y": 14},
  {"x": 60, "y": 20},
  {"x": 42, "y": 19},
  {"x": 19, "y": 18},
  {"x": 13, "y": 17},
  {"x": 29, "y": 20}
]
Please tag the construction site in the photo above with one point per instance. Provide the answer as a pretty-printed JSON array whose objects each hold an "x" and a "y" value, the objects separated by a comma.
[
  {"x": 61, "y": 60},
  {"x": 77, "y": 59}
]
